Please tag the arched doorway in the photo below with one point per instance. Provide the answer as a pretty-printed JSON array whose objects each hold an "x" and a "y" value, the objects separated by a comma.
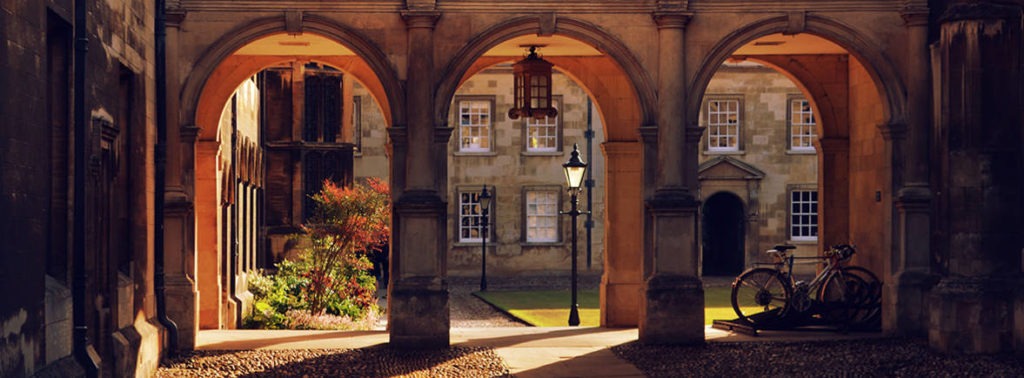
[{"x": 723, "y": 231}]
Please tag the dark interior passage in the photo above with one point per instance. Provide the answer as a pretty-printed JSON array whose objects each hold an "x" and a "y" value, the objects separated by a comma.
[{"x": 723, "y": 234}]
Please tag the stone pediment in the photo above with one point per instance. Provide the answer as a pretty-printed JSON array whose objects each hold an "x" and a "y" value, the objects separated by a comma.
[{"x": 728, "y": 168}]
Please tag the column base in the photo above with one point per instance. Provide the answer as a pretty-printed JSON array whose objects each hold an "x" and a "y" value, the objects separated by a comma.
[
  {"x": 418, "y": 314},
  {"x": 673, "y": 310},
  {"x": 621, "y": 301},
  {"x": 974, "y": 315},
  {"x": 182, "y": 301},
  {"x": 905, "y": 303}
]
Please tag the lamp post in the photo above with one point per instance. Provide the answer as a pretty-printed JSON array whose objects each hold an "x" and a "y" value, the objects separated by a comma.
[
  {"x": 485, "y": 205},
  {"x": 575, "y": 168}
]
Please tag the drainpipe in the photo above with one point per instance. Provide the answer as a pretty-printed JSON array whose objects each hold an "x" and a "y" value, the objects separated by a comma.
[
  {"x": 81, "y": 330},
  {"x": 159, "y": 179},
  {"x": 589, "y": 223}
]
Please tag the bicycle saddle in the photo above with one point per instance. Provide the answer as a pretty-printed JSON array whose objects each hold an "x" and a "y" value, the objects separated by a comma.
[{"x": 784, "y": 247}]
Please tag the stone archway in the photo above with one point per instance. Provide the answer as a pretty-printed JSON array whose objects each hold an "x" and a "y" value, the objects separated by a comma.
[
  {"x": 624, "y": 94},
  {"x": 857, "y": 179},
  {"x": 203, "y": 94}
]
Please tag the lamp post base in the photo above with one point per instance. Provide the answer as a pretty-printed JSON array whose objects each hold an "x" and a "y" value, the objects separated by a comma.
[{"x": 574, "y": 315}]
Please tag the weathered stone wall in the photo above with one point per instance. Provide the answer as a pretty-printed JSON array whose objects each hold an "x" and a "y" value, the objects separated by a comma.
[
  {"x": 764, "y": 98},
  {"x": 35, "y": 140},
  {"x": 870, "y": 191},
  {"x": 24, "y": 193},
  {"x": 508, "y": 169}
]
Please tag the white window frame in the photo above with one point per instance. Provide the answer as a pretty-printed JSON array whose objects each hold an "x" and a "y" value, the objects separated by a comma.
[
  {"x": 551, "y": 124},
  {"x": 803, "y": 220},
  {"x": 802, "y": 123},
  {"x": 475, "y": 133},
  {"x": 470, "y": 217},
  {"x": 720, "y": 125},
  {"x": 544, "y": 211}
]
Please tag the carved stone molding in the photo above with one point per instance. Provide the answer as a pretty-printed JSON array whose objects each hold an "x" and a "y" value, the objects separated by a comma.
[
  {"x": 672, "y": 20},
  {"x": 416, "y": 19}
]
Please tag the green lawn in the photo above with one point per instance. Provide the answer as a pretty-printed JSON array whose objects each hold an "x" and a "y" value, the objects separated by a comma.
[{"x": 550, "y": 308}]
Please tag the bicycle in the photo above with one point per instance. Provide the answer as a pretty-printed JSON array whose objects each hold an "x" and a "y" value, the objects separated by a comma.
[{"x": 768, "y": 297}]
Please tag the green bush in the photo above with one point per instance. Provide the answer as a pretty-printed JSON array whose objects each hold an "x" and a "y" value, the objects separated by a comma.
[{"x": 330, "y": 286}]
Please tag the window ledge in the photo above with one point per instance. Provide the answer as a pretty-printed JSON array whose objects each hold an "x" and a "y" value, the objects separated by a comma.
[
  {"x": 801, "y": 152},
  {"x": 542, "y": 153},
  {"x": 471, "y": 244},
  {"x": 802, "y": 242},
  {"x": 739, "y": 152},
  {"x": 541, "y": 244},
  {"x": 487, "y": 153}
]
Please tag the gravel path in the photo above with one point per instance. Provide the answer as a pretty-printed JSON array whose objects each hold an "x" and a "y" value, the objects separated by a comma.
[{"x": 857, "y": 358}]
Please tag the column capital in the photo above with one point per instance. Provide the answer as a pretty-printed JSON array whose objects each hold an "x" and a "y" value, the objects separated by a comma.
[
  {"x": 893, "y": 131},
  {"x": 915, "y": 16},
  {"x": 420, "y": 19},
  {"x": 399, "y": 135},
  {"x": 670, "y": 200},
  {"x": 442, "y": 134},
  {"x": 648, "y": 134},
  {"x": 913, "y": 196},
  {"x": 175, "y": 17},
  {"x": 694, "y": 133},
  {"x": 189, "y": 133},
  {"x": 672, "y": 19}
]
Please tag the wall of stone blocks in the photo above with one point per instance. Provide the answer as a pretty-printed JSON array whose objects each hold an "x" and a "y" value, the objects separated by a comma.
[
  {"x": 508, "y": 169},
  {"x": 764, "y": 94}
]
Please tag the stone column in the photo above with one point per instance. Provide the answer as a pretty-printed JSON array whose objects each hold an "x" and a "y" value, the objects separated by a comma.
[
  {"x": 182, "y": 296},
  {"x": 419, "y": 290},
  {"x": 179, "y": 236},
  {"x": 908, "y": 275},
  {"x": 672, "y": 311},
  {"x": 621, "y": 280},
  {"x": 974, "y": 305}
]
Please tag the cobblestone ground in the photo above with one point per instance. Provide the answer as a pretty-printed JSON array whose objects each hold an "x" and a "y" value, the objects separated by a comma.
[
  {"x": 867, "y": 358},
  {"x": 856, "y": 358},
  {"x": 376, "y": 361}
]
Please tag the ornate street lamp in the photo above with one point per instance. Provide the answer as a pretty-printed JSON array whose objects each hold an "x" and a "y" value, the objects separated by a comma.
[
  {"x": 532, "y": 88},
  {"x": 485, "y": 205},
  {"x": 575, "y": 169}
]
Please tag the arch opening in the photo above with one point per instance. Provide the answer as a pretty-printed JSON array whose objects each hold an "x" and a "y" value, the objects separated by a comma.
[
  {"x": 278, "y": 114},
  {"x": 524, "y": 170},
  {"x": 826, "y": 183}
]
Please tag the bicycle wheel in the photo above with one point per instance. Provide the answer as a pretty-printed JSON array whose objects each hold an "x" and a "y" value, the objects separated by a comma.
[
  {"x": 842, "y": 298},
  {"x": 870, "y": 316},
  {"x": 760, "y": 296}
]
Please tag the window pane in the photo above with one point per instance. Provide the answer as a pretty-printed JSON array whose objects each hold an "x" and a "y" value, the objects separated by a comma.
[
  {"x": 723, "y": 120},
  {"x": 474, "y": 125},
  {"x": 803, "y": 215},
  {"x": 801, "y": 126},
  {"x": 541, "y": 216}
]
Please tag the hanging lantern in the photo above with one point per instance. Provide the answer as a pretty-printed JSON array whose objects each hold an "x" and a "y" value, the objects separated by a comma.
[{"x": 532, "y": 88}]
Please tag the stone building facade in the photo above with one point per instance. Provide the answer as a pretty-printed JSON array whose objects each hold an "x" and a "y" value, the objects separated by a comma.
[
  {"x": 755, "y": 166},
  {"x": 918, "y": 158}
]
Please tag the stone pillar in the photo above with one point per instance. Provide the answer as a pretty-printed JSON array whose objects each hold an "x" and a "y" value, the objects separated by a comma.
[
  {"x": 672, "y": 311},
  {"x": 622, "y": 279},
  {"x": 207, "y": 207},
  {"x": 973, "y": 306},
  {"x": 179, "y": 236},
  {"x": 908, "y": 276},
  {"x": 182, "y": 296},
  {"x": 419, "y": 290}
]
